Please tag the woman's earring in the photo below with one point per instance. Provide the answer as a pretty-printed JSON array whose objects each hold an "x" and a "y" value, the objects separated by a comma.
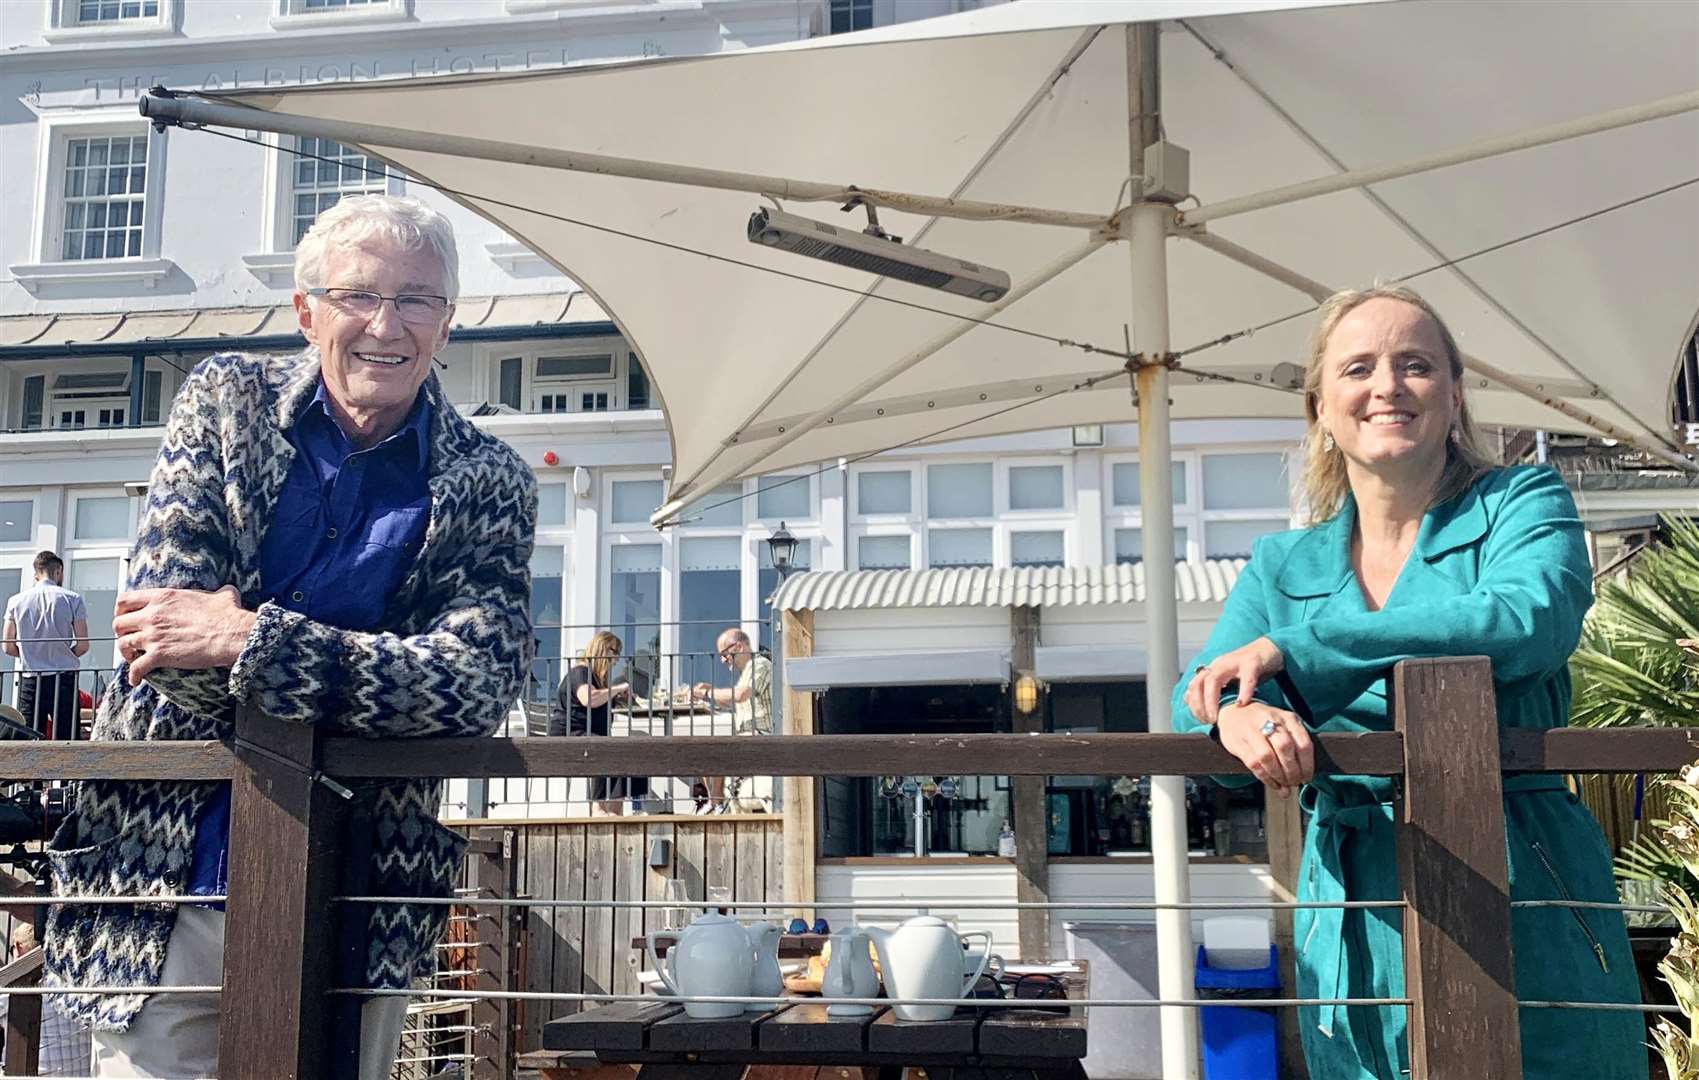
[
  {"x": 1457, "y": 436},
  {"x": 1327, "y": 441}
]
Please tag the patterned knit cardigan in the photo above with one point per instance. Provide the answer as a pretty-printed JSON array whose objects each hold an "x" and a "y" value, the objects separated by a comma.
[{"x": 448, "y": 659}]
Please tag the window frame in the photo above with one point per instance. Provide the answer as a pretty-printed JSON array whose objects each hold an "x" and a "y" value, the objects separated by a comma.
[
  {"x": 1260, "y": 513},
  {"x": 1004, "y": 494},
  {"x": 625, "y": 533},
  {"x": 294, "y": 15},
  {"x": 750, "y": 533},
  {"x": 1002, "y": 521},
  {"x": 855, "y": 512},
  {"x": 752, "y": 515},
  {"x": 48, "y": 370},
  {"x": 56, "y": 133},
  {"x": 974, "y": 523},
  {"x": 74, "y": 504},
  {"x": 33, "y": 497},
  {"x": 63, "y": 24},
  {"x": 561, "y": 534},
  {"x": 489, "y": 358},
  {"x": 851, "y": 7},
  {"x": 274, "y": 263},
  {"x": 1191, "y": 514},
  {"x": 1019, "y": 528}
]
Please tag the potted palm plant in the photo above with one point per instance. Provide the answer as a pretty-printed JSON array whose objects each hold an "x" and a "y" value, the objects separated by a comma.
[{"x": 1638, "y": 665}]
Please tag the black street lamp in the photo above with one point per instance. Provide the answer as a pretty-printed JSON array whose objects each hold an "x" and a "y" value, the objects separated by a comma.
[{"x": 781, "y": 549}]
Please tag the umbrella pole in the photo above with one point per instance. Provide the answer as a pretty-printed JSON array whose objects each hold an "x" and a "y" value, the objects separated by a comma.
[{"x": 1147, "y": 223}]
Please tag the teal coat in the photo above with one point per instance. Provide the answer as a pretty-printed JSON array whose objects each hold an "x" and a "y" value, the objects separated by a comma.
[{"x": 1500, "y": 571}]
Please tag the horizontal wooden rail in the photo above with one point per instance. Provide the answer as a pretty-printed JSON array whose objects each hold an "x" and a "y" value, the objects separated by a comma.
[
  {"x": 1611, "y": 750},
  {"x": 185, "y": 760},
  {"x": 1565, "y": 750},
  {"x": 1380, "y": 754}
]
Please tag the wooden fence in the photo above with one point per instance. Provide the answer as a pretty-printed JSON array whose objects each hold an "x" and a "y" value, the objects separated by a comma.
[
  {"x": 1447, "y": 748},
  {"x": 588, "y": 950}
]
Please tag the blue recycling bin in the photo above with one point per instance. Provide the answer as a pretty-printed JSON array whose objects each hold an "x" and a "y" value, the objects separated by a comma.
[{"x": 1238, "y": 1042}]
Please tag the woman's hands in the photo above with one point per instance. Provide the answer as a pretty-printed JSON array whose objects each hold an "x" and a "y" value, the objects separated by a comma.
[
  {"x": 1272, "y": 743},
  {"x": 1245, "y": 667},
  {"x": 619, "y": 690}
]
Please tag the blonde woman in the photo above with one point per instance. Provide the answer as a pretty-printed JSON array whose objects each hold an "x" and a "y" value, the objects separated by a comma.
[
  {"x": 1420, "y": 547},
  {"x": 585, "y": 696}
]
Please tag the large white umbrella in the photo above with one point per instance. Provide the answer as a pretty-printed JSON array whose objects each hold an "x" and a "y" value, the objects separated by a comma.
[{"x": 1012, "y": 137}]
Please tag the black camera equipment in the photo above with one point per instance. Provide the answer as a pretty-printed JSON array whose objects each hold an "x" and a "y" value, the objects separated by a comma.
[{"x": 29, "y": 812}]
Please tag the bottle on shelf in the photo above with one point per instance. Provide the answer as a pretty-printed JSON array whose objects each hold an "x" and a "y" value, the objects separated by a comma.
[{"x": 1006, "y": 842}]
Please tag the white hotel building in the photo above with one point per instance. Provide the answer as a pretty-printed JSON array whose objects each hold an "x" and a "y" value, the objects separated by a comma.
[{"x": 128, "y": 254}]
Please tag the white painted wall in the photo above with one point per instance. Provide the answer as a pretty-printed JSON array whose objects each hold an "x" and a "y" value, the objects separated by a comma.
[
  {"x": 909, "y": 630},
  {"x": 934, "y": 886}
]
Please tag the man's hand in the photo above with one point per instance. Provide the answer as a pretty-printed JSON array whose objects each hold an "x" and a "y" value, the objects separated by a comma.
[
  {"x": 1247, "y": 667},
  {"x": 180, "y": 628},
  {"x": 1284, "y": 758}
]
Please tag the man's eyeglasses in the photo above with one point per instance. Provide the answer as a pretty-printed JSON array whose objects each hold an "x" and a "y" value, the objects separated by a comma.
[
  {"x": 728, "y": 652},
  {"x": 421, "y": 309}
]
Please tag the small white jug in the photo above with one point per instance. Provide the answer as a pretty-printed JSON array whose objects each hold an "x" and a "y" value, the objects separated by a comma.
[
  {"x": 849, "y": 973},
  {"x": 768, "y": 981}
]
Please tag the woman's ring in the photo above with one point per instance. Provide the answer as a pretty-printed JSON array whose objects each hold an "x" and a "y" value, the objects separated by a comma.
[
  {"x": 1269, "y": 727},
  {"x": 1200, "y": 669}
]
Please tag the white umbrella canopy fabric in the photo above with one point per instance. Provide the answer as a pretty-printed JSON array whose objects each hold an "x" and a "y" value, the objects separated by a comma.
[{"x": 985, "y": 106}]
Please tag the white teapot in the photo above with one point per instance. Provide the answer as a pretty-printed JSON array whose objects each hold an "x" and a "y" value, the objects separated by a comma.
[
  {"x": 922, "y": 958},
  {"x": 849, "y": 973},
  {"x": 711, "y": 958}
]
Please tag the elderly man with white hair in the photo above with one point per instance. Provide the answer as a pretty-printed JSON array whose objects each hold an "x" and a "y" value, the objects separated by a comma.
[{"x": 324, "y": 538}]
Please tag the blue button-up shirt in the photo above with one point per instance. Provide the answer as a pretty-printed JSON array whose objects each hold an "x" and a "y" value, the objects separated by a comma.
[{"x": 347, "y": 527}]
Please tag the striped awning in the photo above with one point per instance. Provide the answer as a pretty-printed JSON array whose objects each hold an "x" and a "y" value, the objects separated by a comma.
[
  {"x": 167, "y": 328},
  {"x": 1205, "y": 582}
]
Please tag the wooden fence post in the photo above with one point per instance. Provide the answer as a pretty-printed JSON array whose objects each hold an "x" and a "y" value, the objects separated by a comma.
[
  {"x": 800, "y": 830},
  {"x": 491, "y": 874},
  {"x": 1284, "y": 827},
  {"x": 279, "y": 934},
  {"x": 1458, "y": 969},
  {"x": 1030, "y": 809},
  {"x": 23, "y": 1017}
]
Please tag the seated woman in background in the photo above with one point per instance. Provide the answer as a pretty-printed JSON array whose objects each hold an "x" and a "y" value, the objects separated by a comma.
[
  {"x": 1420, "y": 547},
  {"x": 585, "y": 696}
]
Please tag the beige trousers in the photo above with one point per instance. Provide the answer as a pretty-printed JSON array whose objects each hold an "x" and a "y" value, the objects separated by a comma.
[{"x": 176, "y": 1035}]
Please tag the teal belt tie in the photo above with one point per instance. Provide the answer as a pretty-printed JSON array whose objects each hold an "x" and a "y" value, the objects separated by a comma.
[{"x": 1336, "y": 823}]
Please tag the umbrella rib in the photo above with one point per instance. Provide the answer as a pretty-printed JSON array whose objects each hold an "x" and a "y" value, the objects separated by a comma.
[
  {"x": 1678, "y": 103},
  {"x": 1527, "y": 387},
  {"x": 189, "y": 111},
  {"x": 1346, "y": 178},
  {"x": 1046, "y": 86},
  {"x": 1044, "y": 276}
]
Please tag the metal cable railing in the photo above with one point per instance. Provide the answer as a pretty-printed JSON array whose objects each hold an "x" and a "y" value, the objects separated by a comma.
[{"x": 288, "y": 770}]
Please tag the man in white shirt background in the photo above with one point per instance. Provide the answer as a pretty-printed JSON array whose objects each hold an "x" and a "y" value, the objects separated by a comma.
[{"x": 47, "y": 628}]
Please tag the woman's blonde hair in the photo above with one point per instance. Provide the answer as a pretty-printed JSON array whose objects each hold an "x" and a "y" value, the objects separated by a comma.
[
  {"x": 599, "y": 657},
  {"x": 1325, "y": 481}
]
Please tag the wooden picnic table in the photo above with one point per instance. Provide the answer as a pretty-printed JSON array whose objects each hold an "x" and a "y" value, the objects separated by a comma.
[{"x": 798, "y": 1041}]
